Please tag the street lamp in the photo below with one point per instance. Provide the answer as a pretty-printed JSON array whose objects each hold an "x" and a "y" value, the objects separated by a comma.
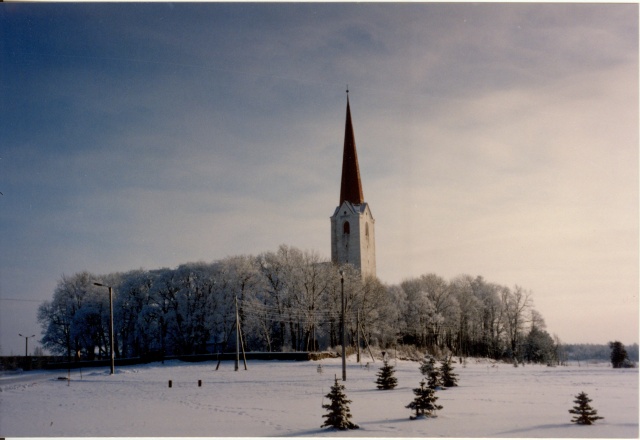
[
  {"x": 342, "y": 332},
  {"x": 26, "y": 343},
  {"x": 110, "y": 323}
]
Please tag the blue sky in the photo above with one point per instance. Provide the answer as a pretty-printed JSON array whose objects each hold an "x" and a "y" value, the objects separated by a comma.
[{"x": 494, "y": 139}]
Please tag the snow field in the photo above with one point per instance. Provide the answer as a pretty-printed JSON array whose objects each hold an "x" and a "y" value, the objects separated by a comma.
[{"x": 277, "y": 398}]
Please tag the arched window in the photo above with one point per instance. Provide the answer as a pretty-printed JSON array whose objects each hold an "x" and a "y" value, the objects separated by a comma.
[
  {"x": 346, "y": 228},
  {"x": 366, "y": 230}
]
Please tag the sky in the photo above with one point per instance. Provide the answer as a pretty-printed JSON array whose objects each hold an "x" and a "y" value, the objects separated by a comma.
[{"x": 498, "y": 140}]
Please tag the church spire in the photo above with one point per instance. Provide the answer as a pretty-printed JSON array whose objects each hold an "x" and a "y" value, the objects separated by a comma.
[
  {"x": 350, "y": 188},
  {"x": 352, "y": 224}
]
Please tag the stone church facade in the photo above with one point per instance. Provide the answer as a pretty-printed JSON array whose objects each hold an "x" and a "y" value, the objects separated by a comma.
[{"x": 352, "y": 224}]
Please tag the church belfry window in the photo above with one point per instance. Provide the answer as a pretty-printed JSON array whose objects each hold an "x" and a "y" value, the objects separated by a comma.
[{"x": 346, "y": 228}]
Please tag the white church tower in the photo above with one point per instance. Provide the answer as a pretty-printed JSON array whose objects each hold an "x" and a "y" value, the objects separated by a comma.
[{"x": 352, "y": 225}]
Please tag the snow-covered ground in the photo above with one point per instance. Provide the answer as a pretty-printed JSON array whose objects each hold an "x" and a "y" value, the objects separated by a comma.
[{"x": 275, "y": 398}]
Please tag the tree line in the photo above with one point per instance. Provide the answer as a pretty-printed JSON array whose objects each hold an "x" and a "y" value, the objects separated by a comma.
[
  {"x": 596, "y": 352},
  {"x": 288, "y": 300}
]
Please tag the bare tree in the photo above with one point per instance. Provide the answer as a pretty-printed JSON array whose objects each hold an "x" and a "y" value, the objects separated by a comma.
[
  {"x": 516, "y": 304},
  {"x": 470, "y": 308}
]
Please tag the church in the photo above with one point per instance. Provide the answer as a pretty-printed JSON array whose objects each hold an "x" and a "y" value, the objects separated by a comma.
[{"x": 352, "y": 224}]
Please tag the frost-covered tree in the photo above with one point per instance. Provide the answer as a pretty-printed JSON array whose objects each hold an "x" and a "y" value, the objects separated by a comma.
[
  {"x": 241, "y": 275},
  {"x": 418, "y": 310},
  {"x": 492, "y": 326},
  {"x": 289, "y": 299},
  {"x": 386, "y": 377},
  {"x": 424, "y": 404},
  {"x": 71, "y": 321},
  {"x": 189, "y": 329},
  {"x": 618, "y": 354},
  {"x": 353, "y": 287},
  {"x": 376, "y": 311},
  {"x": 431, "y": 305},
  {"x": 298, "y": 299},
  {"x": 468, "y": 315},
  {"x": 136, "y": 331},
  {"x": 276, "y": 299},
  {"x": 90, "y": 326},
  {"x": 584, "y": 414},
  {"x": 517, "y": 304},
  {"x": 447, "y": 376},
  {"x": 56, "y": 327},
  {"x": 539, "y": 347},
  {"x": 339, "y": 415},
  {"x": 309, "y": 282},
  {"x": 392, "y": 315}
]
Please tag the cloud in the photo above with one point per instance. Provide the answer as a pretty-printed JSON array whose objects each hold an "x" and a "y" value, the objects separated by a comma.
[{"x": 493, "y": 139}]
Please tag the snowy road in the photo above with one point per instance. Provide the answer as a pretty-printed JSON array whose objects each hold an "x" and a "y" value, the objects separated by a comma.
[{"x": 30, "y": 377}]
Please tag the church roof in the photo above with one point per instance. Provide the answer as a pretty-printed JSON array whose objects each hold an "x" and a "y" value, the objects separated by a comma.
[
  {"x": 353, "y": 208},
  {"x": 351, "y": 187}
]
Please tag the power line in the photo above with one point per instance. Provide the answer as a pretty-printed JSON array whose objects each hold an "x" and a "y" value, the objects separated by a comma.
[
  {"x": 298, "y": 310},
  {"x": 22, "y": 300},
  {"x": 292, "y": 315}
]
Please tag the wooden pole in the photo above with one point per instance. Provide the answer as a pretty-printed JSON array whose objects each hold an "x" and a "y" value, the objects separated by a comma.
[
  {"x": 226, "y": 341},
  {"x": 237, "y": 337},
  {"x": 358, "y": 336},
  {"x": 342, "y": 325},
  {"x": 366, "y": 343}
]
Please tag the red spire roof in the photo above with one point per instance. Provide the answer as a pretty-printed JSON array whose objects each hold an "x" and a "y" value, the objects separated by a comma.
[{"x": 351, "y": 188}]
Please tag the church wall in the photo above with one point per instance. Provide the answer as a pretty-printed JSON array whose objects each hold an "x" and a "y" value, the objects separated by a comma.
[
  {"x": 356, "y": 247},
  {"x": 345, "y": 248},
  {"x": 367, "y": 244}
]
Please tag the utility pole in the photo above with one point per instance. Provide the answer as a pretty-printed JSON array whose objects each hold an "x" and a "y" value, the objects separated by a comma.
[
  {"x": 110, "y": 324},
  {"x": 342, "y": 331},
  {"x": 26, "y": 343},
  {"x": 358, "y": 335},
  {"x": 239, "y": 342},
  {"x": 237, "y": 337}
]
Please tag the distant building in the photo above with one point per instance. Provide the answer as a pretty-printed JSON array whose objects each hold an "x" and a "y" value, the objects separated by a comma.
[{"x": 352, "y": 224}]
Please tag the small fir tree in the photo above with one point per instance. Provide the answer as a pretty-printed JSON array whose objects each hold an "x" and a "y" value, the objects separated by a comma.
[
  {"x": 434, "y": 382},
  {"x": 386, "y": 377},
  {"x": 427, "y": 365},
  {"x": 447, "y": 376},
  {"x": 428, "y": 368},
  {"x": 585, "y": 415},
  {"x": 424, "y": 404},
  {"x": 339, "y": 414}
]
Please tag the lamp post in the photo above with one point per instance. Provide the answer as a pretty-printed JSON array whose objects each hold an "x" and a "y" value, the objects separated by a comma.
[
  {"x": 110, "y": 323},
  {"x": 342, "y": 332},
  {"x": 26, "y": 343}
]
